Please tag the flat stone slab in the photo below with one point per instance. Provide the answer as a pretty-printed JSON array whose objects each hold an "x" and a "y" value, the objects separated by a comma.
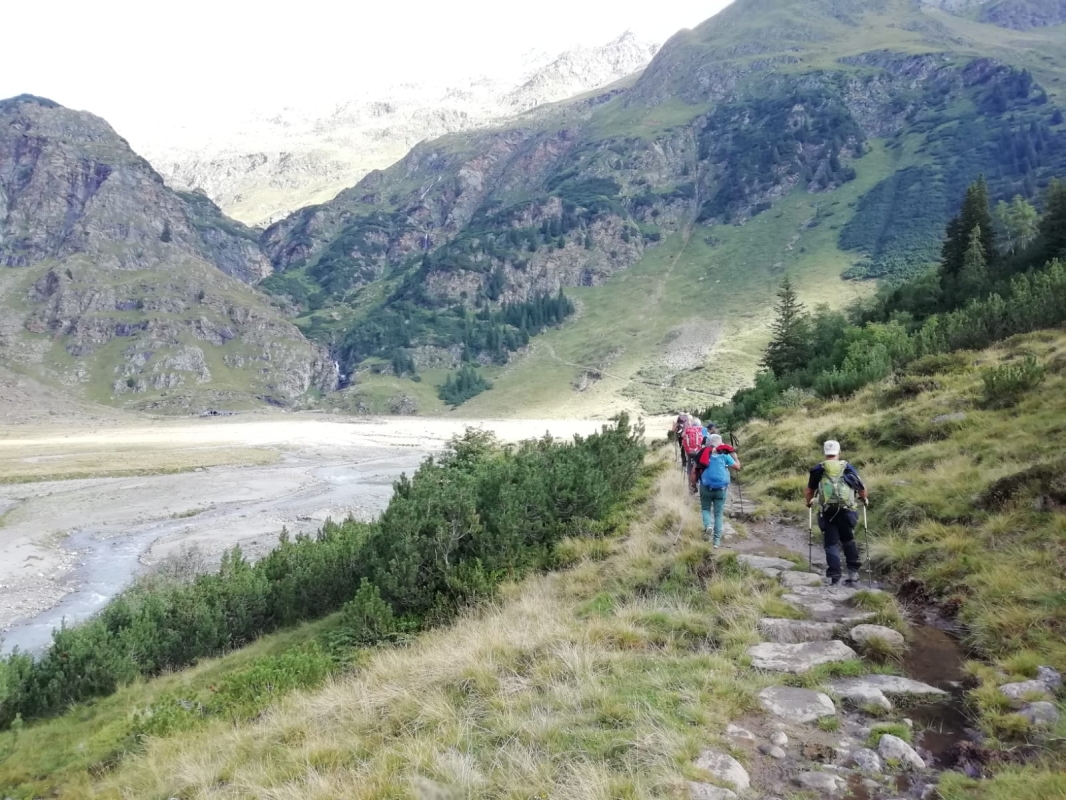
[
  {"x": 738, "y": 734},
  {"x": 706, "y": 791},
  {"x": 864, "y": 696},
  {"x": 798, "y": 658},
  {"x": 765, "y": 562},
  {"x": 812, "y": 604},
  {"x": 794, "y": 578},
  {"x": 838, "y": 594},
  {"x": 791, "y": 631},
  {"x": 725, "y": 768},
  {"x": 798, "y": 705},
  {"x": 891, "y": 685}
]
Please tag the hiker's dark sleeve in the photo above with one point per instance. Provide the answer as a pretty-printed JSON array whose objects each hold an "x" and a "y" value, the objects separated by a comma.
[
  {"x": 815, "y": 478},
  {"x": 851, "y": 477}
]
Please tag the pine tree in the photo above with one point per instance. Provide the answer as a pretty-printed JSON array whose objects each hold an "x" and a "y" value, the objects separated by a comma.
[
  {"x": 973, "y": 278},
  {"x": 789, "y": 346},
  {"x": 1051, "y": 240},
  {"x": 975, "y": 213}
]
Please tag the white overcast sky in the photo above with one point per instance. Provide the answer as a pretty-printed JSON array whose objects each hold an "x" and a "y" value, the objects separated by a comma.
[{"x": 127, "y": 59}]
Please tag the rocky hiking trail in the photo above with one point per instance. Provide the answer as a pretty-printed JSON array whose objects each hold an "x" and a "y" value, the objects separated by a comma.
[{"x": 837, "y": 725}]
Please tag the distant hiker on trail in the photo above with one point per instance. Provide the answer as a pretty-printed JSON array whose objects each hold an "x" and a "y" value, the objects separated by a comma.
[
  {"x": 676, "y": 431},
  {"x": 839, "y": 490},
  {"x": 714, "y": 486},
  {"x": 691, "y": 440}
]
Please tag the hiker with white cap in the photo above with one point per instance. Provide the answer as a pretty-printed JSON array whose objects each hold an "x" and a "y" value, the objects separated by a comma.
[{"x": 839, "y": 489}]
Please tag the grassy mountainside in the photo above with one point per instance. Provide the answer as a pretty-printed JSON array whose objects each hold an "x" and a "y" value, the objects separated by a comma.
[
  {"x": 820, "y": 139},
  {"x": 608, "y": 676}
]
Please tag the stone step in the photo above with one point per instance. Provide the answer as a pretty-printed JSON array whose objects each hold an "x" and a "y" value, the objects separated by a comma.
[
  {"x": 796, "y": 579},
  {"x": 792, "y": 631},
  {"x": 798, "y": 658},
  {"x": 798, "y": 705},
  {"x": 765, "y": 562},
  {"x": 891, "y": 685}
]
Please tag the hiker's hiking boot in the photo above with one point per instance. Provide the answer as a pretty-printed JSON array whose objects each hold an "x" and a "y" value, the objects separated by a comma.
[
  {"x": 834, "y": 581},
  {"x": 853, "y": 576}
]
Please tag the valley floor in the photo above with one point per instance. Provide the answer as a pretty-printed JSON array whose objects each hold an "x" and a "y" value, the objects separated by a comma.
[{"x": 86, "y": 504}]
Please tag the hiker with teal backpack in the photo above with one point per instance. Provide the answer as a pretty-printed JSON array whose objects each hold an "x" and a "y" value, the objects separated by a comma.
[
  {"x": 839, "y": 490},
  {"x": 714, "y": 486}
]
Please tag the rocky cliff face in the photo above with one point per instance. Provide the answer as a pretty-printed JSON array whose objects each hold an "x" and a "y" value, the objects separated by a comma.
[
  {"x": 114, "y": 284},
  {"x": 269, "y": 166}
]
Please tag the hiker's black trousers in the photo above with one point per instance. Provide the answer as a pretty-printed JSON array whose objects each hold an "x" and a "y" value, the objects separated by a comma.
[{"x": 838, "y": 529}]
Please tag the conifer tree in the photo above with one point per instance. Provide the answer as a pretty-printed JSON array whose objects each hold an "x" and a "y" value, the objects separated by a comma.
[
  {"x": 789, "y": 346},
  {"x": 973, "y": 278},
  {"x": 975, "y": 213},
  {"x": 1051, "y": 240}
]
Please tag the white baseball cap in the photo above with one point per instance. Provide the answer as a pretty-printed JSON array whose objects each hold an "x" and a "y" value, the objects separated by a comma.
[{"x": 832, "y": 448}]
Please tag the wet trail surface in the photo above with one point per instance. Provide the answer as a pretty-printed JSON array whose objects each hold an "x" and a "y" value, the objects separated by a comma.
[{"x": 934, "y": 656}]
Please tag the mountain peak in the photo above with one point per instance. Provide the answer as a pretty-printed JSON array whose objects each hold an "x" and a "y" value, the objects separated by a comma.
[{"x": 18, "y": 100}]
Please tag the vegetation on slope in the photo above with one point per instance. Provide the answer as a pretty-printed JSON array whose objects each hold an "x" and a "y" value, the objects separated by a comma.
[
  {"x": 449, "y": 535},
  {"x": 968, "y": 486},
  {"x": 978, "y": 295},
  {"x": 604, "y": 678}
]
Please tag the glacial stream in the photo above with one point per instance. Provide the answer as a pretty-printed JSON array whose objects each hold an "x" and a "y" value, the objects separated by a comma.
[{"x": 110, "y": 558}]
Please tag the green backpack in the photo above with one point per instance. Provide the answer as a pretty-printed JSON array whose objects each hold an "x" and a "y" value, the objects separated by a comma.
[{"x": 834, "y": 490}]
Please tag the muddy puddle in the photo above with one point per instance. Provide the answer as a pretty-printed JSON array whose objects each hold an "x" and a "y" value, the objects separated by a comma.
[{"x": 936, "y": 657}]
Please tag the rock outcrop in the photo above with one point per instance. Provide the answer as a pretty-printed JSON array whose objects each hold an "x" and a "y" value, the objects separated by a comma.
[{"x": 118, "y": 286}]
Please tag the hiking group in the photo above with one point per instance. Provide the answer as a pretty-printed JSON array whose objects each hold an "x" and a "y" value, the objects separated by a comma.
[{"x": 834, "y": 484}]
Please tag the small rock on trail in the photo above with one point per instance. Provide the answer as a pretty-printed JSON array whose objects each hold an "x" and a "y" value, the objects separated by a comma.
[
  {"x": 1018, "y": 693},
  {"x": 822, "y": 782},
  {"x": 706, "y": 791},
  {"x": 892, "y": 748},
  {"x": 798, "y": 705},
  {"x": 725, "y": 768},
  {"x": 863, "y": 634}
]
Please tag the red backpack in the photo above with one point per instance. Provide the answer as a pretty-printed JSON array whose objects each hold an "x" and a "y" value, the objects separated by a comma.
[{"x": 692, "y": 439}]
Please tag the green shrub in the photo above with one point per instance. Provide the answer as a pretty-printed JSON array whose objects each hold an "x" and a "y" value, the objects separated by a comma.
[
  {"x": 1004, "y": 385},
  {"x": 475, "y": 516},
  {"x": 939, "y": 364}
]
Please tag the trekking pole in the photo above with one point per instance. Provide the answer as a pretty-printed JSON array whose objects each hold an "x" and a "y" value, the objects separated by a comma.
[
  {"x": 810, "y": 538},
  {"x": 869, "y": 564}
]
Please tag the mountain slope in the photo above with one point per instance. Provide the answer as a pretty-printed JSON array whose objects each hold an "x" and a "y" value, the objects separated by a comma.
[
  {"x": 814, "y": 138},
  {"x": 266, "y": 167},
  {"x": 117, "y": 286}
]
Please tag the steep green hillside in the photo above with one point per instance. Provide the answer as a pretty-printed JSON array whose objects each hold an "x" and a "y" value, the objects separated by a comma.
[
  {"x": 125, "y": 292},
  {"x": 822, "y": 139}
]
